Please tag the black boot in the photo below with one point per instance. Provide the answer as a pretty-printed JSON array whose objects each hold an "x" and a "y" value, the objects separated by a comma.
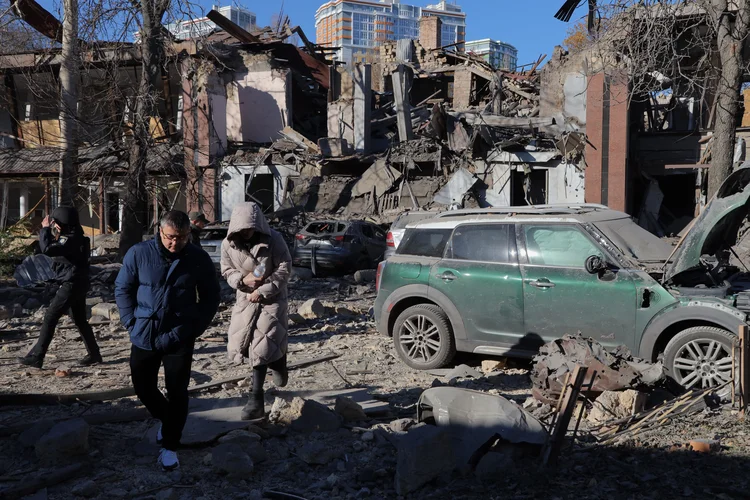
[
  {"x": 31, "y": 360},
  {"x": 279, "y": 372},
  {"x": 91, "y": 359},
  {"x": 255, "y": 409},
  {"x": 280, "y": 377}
]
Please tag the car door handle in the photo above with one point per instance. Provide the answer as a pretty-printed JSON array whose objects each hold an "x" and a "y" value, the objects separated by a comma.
[
  {"x": 446, "y": 276},
  {"x": 541, "y": 283}
]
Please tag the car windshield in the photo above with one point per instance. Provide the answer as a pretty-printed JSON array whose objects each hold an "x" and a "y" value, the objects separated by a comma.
[{"x": 634, "y": 241}]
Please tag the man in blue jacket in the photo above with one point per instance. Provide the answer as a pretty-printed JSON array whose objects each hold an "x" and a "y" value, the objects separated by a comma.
[{"x": 168, "y": 293}]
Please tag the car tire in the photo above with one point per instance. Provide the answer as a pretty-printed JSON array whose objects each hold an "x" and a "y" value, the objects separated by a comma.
[
  {"x": 423, "y": 338},
  {"x": 700, "y": 357}
]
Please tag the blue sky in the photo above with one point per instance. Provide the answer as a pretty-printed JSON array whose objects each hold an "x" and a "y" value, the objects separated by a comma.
[{"x": 529, "y": 25}]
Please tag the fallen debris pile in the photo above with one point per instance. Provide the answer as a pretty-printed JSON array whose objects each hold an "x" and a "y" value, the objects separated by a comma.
[{"x": 610, "y": 371}]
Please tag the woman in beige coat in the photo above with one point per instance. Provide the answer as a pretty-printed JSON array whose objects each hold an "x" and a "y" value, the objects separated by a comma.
[{"x": 255, "y": 261}]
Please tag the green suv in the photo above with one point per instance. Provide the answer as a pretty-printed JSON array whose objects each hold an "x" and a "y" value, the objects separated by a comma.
[{"x": 506, "y": 281}]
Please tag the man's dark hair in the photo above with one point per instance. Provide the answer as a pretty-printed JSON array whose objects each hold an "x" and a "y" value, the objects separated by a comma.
[{"x": 175, "y": 219}]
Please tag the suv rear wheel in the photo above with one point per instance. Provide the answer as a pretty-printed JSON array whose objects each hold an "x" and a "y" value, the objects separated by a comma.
[
  {"x": 422, "y": 337},
  {"x": 700, "y": 357}
]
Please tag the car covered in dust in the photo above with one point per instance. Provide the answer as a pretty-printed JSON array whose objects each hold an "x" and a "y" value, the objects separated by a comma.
[{"x": 506, "y": 281}]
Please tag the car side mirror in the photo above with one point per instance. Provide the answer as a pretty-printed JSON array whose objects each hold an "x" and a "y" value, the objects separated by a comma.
[{"x": 595, "y": 265}]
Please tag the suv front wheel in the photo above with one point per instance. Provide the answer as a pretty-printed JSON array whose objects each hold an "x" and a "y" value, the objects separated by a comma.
[
  {"x": 700, "y": 357},
  {"x": 422, "y": 337}
]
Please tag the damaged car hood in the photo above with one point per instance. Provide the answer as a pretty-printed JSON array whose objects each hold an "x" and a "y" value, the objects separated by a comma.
[{"x": 716, "y": 228}]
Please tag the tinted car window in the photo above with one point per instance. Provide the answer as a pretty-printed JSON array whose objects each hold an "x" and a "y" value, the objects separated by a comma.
[
  {"x": 367, "y": 231},
  {"x": 424, "y": 242},
  {"x": 560, "y": 246},
  {"x": 483, "y": 242}
]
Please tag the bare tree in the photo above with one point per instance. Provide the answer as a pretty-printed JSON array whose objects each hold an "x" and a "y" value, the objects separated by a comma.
[
  {"x": 69, "y": 79},
  {"x": 692, "y": 49},
  {"x": 153, "y": 58}
]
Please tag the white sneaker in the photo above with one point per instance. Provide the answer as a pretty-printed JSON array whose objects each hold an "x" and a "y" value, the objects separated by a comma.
[
  {"x": 168, "y": 460},
  {"x": 159, "y": 437}
]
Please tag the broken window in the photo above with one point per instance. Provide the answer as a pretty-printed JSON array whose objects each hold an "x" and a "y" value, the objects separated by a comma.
[
  {"x": 326, "y": 227},
  {"x": 483, "y": 243},
  {"x": 558, "y": 246},
  {"x": 424, "y": 242}
]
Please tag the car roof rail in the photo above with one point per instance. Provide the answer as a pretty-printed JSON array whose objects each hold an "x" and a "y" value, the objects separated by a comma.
[{"x": 557, "y": 209}]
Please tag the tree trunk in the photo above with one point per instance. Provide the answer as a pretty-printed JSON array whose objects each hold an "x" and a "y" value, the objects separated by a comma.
[
  {"x": 69, "y": 76},
  {"x": 730, "y": 41},
  {"x": 135, "y": 210}
]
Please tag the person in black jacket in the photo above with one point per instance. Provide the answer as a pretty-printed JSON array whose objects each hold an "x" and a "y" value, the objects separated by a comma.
[
  {"x": 62, "y": 239},
  {"x": 168, "y": 293}
]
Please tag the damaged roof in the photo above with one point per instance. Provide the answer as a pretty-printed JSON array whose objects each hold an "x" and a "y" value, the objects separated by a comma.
[{"x": 164, "y": 159}]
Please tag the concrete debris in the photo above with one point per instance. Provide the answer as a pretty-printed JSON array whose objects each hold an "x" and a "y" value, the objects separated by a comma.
[
  {"x": 378, "y": 178},
  {"x": 316, "y": 453},
  {"x": 463, "y": 371},
  {"x": 614, "y": 405},
  {"x": 312, "y": 309},
  {"x": 107, "y": 311},
  {"x": 230, "y": 459},
  {"x": 453, "y": 192},
  {"x": 62, "y": 371},
  {"x": 614, "y": 370},
  {"x": 303, "y": 415},
  {"x": 86, "y": 489},
  {"x": 349, "y": 410},
  {"x": 424, "y": 454},
  {"x": 491, "y": 365},
  {"x": 63, "y": 441}
]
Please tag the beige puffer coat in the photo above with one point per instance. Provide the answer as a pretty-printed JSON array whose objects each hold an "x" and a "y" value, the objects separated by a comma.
[{"x": 257, "y": 331}]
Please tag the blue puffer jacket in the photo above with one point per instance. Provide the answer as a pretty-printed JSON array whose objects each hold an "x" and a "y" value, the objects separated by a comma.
[{"x": 165, "y": 304}]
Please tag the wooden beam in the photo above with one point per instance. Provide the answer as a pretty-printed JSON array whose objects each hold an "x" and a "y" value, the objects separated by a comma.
[
  {"x": 232, "y": 28},
  {"x": 567, "y": 406},
  {"x": 474, "y": 118},
  {"x": 403, "y": 107}
]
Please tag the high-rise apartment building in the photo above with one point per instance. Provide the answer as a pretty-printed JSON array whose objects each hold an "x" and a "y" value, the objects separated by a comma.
[
  {"x": 500, "y": 55},
  {"x": 359, "y": 27},
  {"x": 195, "y": 28}
]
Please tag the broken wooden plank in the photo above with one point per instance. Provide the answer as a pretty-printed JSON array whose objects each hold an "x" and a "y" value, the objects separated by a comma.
[
  {"x": 473, "y": 118},
  {"x": 233, "y": 29},
  {"x": 31, "y": 484},
  {"x": 521, "y": 93},
  {"x": 403, "y": 107},
  {"x": 299, "y": 139},
  {"x": 567, "y": 407}
]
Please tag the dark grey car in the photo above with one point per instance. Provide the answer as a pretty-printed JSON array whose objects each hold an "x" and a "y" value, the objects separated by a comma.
[{"x": 339, "y": 245}]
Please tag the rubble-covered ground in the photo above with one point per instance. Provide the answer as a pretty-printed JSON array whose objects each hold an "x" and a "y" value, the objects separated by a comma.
[{"x": 356, "y": 459}]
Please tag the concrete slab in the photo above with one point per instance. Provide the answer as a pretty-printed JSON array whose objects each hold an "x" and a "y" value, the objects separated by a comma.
[
  {"x": 208, "y": 420},
  {"x": 361, "y": 396}
]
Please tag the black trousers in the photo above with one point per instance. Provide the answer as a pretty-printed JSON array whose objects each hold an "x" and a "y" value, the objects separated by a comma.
[
  {"x": 70, "y": 296},
  {"x": 172, "y": 410}
]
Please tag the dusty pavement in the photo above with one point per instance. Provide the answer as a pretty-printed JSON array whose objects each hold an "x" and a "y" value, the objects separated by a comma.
[{"x": 353, "y": 459}]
